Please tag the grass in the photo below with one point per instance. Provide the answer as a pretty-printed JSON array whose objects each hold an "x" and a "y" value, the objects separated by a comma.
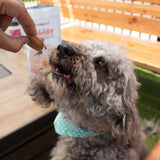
[{"x": 148, "y": 103}]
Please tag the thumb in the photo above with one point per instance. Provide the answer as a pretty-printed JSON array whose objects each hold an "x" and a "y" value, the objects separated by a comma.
[{"x": 13, "y": 44}]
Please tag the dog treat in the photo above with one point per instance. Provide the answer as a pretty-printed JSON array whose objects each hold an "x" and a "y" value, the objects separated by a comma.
[{"x": 35, "y": 42}]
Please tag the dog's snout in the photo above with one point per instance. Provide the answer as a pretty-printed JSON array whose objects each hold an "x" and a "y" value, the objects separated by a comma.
[{"x": 65, "y": 50}]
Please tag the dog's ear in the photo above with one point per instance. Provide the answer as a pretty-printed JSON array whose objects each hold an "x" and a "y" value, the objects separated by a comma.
[
  {"x": 37, "y": 89},
  {"x": 116, "y": 104},
  {"x": 130, "y": 95},
  {"x": 130, "y": 87},
  {"x": 123, "y": 113}
]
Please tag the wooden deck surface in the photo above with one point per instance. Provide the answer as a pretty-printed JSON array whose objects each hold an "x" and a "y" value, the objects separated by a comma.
[
  {"x": 143, "y": 53},
  {"x": 16, "y": 107}
]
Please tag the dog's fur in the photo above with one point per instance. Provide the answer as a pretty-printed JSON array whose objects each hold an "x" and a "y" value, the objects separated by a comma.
[{"x": 101, "y": 97}]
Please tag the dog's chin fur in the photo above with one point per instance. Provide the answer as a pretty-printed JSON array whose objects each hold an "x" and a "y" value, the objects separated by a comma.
[{"x": 99, "y": 94}]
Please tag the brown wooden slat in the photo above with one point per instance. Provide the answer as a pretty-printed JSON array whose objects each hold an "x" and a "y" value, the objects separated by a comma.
[
  {"x": 150, "y": 1},
  {"x": 45, "y": 2},
  {"x": 153, "y": 10},
  {"x": 143, "y": 53},
  {"x": 155, "y": 153},
  {"x": 146, "y": 48},
  {"x": 94, "y": 3},
  {"x": 136, "y": 23}
]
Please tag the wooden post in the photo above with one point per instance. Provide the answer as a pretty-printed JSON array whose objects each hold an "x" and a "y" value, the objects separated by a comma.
[{"x": 155, "y": 153}]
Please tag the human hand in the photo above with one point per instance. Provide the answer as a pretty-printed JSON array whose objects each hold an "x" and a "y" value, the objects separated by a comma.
[{"x": 8, "y": 10}]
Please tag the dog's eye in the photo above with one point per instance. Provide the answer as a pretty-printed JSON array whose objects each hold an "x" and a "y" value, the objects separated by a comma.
[{"x": 100, "y": 62}]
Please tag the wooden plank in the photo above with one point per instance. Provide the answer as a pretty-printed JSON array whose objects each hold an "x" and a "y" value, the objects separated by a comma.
[
  {"x": 17, "y": 108},
  {"x": 150, "y": 1},
  {"x": 103, "y": 1},
  {"x": 131, "y": 44},
  {"x": 135, "y": 23},
  {"x": 120, "y": 6},
  {"x": 21, "y": 112},
  {"x": 153, "y": 10},
  {"x": 45, "y": 2},
  {"x": 143, "y": 53},
  {"x": 155, "y": 153}
]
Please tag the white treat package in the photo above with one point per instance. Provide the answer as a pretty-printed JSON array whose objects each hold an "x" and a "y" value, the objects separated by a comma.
[{"x": 47, "y": 21}]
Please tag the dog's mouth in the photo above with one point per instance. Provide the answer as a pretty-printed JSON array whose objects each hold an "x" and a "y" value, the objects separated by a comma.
[
  {"x": 59, "y": 70},
  {"x": 61, "y": 61}
]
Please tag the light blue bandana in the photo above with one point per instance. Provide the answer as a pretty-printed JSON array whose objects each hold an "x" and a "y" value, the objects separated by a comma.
[{"x": 65, "y": 127}]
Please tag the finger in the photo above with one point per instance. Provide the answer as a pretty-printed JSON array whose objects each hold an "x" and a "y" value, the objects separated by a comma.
[
  {"x": 27, "y": 23},
  {"x": 20, "y": 1},
  {"x": 13, "y": 44},
  {"x": 17, "y": 9},
  {"x": 5, "y": 22}
]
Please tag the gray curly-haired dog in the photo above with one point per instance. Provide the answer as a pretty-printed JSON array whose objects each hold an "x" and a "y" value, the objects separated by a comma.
[{"x": 93, "y": 84}]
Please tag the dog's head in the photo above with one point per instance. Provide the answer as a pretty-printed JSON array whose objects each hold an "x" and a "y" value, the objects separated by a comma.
[
  {"x": 95, "y": 67},
  {"x": 98, "y": 73}
]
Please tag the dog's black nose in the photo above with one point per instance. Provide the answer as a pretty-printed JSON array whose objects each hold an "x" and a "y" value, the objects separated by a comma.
[{"x": 65, "y": 50}]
